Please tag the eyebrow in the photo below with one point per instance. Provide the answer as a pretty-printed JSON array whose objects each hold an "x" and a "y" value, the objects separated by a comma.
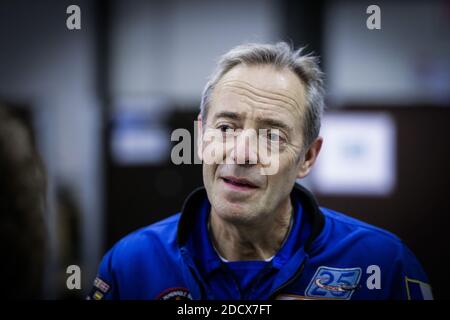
[
  {"x": 269, "y": 122},
  {"x": 227, "y": 114},
  {"x": 274, "y": 123}
]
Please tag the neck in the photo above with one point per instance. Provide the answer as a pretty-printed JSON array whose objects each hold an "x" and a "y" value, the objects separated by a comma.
[{"x": 259, "y": 240}]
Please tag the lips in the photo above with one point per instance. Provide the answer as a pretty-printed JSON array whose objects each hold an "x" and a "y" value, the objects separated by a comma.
[{"x": 239, "y": 182}]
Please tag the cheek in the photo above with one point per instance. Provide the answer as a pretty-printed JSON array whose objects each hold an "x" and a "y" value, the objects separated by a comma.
[
  {"x": 287, "y": 171},
  {"x": 292, "y": 156},
  {"x": 208, "y": 171},
  {"x": 210, "y": 176}
]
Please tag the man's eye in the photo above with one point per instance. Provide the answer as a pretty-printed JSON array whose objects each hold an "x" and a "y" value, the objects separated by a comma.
[
  {"x": 224, "y": 128},
  {"x": 273, "y": 136}
]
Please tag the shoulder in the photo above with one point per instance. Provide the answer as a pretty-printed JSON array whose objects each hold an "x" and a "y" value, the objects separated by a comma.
[
  {"x": 346, "y": 242},
  {"x": 125, "y": 267},
  {"x": 358, "y": 236},
  {"x": 343, "y": 221}
]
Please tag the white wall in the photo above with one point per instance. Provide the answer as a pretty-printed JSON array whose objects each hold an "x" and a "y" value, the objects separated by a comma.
[
  {"x": 406, "y": 62},
  {"x": 169, "y": 48}
]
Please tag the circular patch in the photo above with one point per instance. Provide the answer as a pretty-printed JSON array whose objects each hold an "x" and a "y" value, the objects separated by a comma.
[{"x": 175, "y": 294}]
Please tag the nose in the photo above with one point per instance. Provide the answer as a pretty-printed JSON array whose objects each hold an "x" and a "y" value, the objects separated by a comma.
[{"x": 245, "y": 151}]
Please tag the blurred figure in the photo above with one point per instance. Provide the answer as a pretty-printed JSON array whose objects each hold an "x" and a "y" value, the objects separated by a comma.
[
  {"x": 68, "y": 237},
  {"x": 22, "y": 205}
]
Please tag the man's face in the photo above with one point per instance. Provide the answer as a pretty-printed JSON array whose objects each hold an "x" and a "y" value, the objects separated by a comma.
[{"x": 254, "y": 97}]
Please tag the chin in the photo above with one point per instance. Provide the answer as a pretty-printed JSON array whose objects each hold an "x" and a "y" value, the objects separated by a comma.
[{"x": 238, "y": 213}]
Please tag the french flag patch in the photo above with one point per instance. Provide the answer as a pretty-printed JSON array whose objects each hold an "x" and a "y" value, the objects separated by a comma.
[{"x": 418, "y": 290}]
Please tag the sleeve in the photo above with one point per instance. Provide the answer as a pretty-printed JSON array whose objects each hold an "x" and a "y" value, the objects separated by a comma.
[
  {"x": 409, "y": 281},
  {"x": 104, "y": 286}
]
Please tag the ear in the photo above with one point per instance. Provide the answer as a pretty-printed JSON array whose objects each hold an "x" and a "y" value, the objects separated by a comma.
[
  {"x": 310, "y": 158},
  {"x": 199, "y": 137}
]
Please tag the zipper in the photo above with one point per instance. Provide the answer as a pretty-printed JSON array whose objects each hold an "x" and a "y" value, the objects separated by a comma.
[
  {"x": 288, "y": 282},
  {"x": 203, "y": 291},
  {"x": 267, "y": 269}
]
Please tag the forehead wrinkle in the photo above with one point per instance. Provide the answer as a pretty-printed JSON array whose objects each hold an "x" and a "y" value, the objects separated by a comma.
[
  {"x": 259, "y": 107},
  {"x": 260, "y": 93},
  {"x": 264, "y": 105}
]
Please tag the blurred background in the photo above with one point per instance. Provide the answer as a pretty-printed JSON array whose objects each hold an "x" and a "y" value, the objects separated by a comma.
[{"x": 100, "y": 104}]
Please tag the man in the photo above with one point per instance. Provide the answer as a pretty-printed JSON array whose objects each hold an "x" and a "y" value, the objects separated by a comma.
[{"x": 250, "y": 234}]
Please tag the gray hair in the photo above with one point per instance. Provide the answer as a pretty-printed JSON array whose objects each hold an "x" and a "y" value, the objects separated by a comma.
[{"x": 280, "y": 55}]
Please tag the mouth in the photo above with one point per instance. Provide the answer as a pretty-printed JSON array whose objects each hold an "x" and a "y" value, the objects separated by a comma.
[{"x": 239, "y": 183}]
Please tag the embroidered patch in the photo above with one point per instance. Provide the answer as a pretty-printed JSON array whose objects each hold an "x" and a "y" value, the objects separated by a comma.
[
  {"x": 102, "y": 285},
  {"x": 334, "y": 283},
  {"x": 97, "y": 295},
  {"x": 99, "y": 290},
  {"x": 175, "y": 294},
  {"x": 418, "y": 290}
]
